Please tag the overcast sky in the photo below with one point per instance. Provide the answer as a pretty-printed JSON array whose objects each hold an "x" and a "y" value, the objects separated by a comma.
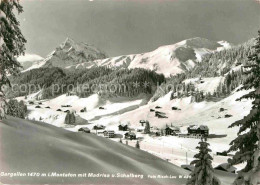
[{"x": 135, "y": 26}]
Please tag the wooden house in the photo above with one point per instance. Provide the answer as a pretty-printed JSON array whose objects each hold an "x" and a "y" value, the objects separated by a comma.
[
  {"x": 130, "y": 135},
  {"x": 109, "y": 133},
  {"x": 84, "y": 129},
  {"x": 172, "y": 130},
  {"x": 99, "y": 127},
  {"x": 226, "y": 167},
  {"x": 188, "y": 167},
  {"x": 198, "y": 130},
  {"x": 123, "y": 127}
]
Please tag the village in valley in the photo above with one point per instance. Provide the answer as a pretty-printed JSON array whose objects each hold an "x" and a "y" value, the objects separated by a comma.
[
  {"x": 167, "y": 101},
  {"x": 164, "y": 139}
]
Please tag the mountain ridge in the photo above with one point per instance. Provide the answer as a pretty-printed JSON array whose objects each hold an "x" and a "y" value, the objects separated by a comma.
[{"x": 168, "y": 60}]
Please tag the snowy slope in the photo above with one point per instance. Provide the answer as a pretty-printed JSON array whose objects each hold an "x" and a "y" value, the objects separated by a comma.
[
  {"x": 168, "y": 60},
  {"x": 206, "y": 113},
  {"x": 206, "y": 84},
  {"x": 47, "y": 149},
  {"x": 112, "y": 106}
]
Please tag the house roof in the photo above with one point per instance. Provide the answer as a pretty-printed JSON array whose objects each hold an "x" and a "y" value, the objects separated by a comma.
[
  {"x": 188, "y": 167},
  {"x": 99, "y": 126},
  {"x": 130, "y": 133},
  {"x": 109, "y": 131},
  {"x": 123, "y": 124},
  {"x": 85, "y": 128},
  {"x": 226, "y": 167},
  {"x": 173, "y": 128},
  {"x": 201, "y": 127}
]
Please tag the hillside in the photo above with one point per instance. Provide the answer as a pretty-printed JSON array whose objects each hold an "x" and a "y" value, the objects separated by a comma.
[{"x": 45, "y": 148}]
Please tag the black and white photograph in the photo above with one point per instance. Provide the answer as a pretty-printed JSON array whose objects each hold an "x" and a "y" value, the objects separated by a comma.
[{"x": 126, "y": 92}]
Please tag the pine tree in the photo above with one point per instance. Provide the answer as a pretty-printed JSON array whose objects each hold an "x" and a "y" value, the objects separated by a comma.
[
  {"x": 203, "y": 172},
  {"x": 11, "y": 46},
  {"x": 147, "y": 127},
  {"x": 247, "y": 145},
  {"x": 67, "y": 118}
]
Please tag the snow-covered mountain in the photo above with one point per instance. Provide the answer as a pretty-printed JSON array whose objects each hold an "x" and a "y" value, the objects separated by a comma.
[
  {"x": 29, "y": 60},
  {"x": 167, "y": 60},
  {"x": 70, "y": 53}
]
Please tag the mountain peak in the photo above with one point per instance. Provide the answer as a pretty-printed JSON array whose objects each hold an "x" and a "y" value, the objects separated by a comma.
[{"x": 68, "y": 42}]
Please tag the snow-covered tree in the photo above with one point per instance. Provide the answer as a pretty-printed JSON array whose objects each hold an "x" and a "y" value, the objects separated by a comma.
[
  {"x": 247, "y": 145},
  {"x": 11, "y": 46},
  {"x": 203, "y": 173}
]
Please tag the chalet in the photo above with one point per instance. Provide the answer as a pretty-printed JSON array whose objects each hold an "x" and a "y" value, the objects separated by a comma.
[
  {"x": 222, "y": 153},
  {"x": 65, "y": 105},
  {"x": 67, "y": 111},
  {"x": 100, "y": 132},
  {"x": 38, "y": 107},
  {"x": 152, "y": 110},
  {"x": 99, "y": 127},
  {"x": 221, "y": 109},
  {"x": 31, "y": 102},
  {"x": 40, "y": 103},
  {"x": 109, "y": 133},
  {"x": 155, "y": 131},
  {"x": 59, "y": 110},
  {"x": 198, "y": 130},
  {"x": 140, "y": 129},
  {"x": 172, "y": 130},
  {"x": 161, "y": 116},
  {"x": 84, "y": 129},
  {"x": 158, "y": 107},
  {"x": 102, "y": 108},
  {"x": 228, "y": 115},
  {"x": 123, "y": 127},
  {"x": 47, "y": 107},
  {"x": 130, "y": 135},
  {"x": 188, "y": 167},
  {"x": 83, "y": 110},
  {"x": 158, "y": 112},
  {"x": 175, "y": 108},
  {"x": 226, "y": 167}
]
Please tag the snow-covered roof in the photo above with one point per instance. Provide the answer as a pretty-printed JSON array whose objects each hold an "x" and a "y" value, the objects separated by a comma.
[
  {"x": 201, "y": 127},
  {"x": 174, "y": 128},
  {"x": 84, "y": 128},
  {"x": 226, "y": 167},
  {"x": 122, "y": 124}
]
